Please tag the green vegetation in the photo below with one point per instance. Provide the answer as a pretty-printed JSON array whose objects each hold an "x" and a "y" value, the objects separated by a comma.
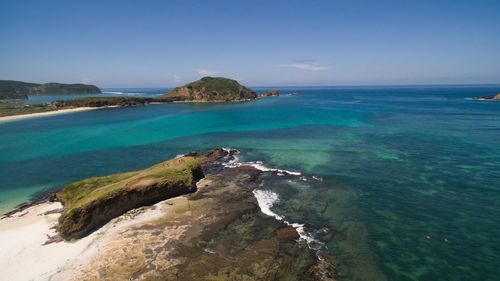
[
  {"x": 9, "y": 108},
  {"x": 211, "y": 89},
  {"x": 12, "y": 107},
  {"x": 15, "y": 89},
  {"x": 207, "y": 89},
  {"x": 101, "y": 101},
  {"x": 90, "y": 203},
  {"x": 89, "y": 190},
  {"x": 215, "y": 84},
  {"x": 20, "y": 90}
]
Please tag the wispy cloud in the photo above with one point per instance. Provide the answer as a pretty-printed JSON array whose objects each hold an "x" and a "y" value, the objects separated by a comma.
[
  {"x": 177, "y": 79},
  {"x": 306, "y": 65},
  {"x": 206, "y": 72}
]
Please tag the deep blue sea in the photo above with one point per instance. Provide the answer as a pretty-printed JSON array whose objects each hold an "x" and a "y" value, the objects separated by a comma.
[{"x": 410, "y": 175}]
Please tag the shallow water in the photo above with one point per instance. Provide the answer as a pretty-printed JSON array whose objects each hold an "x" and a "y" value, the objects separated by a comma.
[{"x": 411, "y": 178}]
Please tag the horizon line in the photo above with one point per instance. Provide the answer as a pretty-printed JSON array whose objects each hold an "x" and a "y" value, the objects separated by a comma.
[{"x": 327, "y": 85}]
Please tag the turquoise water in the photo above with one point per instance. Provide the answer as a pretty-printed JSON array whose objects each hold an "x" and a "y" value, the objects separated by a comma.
[
  {"x": 411, "y": 175},
  {"x": 108, "y": 92}
]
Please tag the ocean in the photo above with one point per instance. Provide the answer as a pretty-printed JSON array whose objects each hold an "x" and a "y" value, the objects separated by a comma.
[{"x": 407, "y": 178}]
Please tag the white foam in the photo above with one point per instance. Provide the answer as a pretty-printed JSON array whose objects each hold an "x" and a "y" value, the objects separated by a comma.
[
  {"x": 231, "y": 157},
  {"x": 481, "y": 99},
  {"x": 317, "y": 178},
  {"x": 259, "y": 165},
  {"x": 266, "y": 200},
  {"x": 209, "y": 251},
  {"x": 123, "y": 93}
]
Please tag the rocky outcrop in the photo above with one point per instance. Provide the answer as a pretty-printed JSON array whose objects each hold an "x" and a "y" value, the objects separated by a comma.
[
  {"x": 216, "y": 233},
  {"x": 20, "y": 90},
  {"x": 210, "y": 89},
  {"x": 270, "y": 93},
  {"x": 493, "y": 97},
  {"x": 91, "y": 203}
]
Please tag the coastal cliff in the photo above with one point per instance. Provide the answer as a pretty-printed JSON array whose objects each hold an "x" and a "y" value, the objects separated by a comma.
[
  {"x": 215, "y": 231},
  {"x": 91, "y": 203},
  {"x": 210, "y": 89},
  {"x": 20, "y": 90}
]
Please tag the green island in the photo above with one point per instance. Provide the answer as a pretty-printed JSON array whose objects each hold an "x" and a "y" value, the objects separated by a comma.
[
  {"x": 205, "y": 90},
  {"x": 210, "y": 89}
]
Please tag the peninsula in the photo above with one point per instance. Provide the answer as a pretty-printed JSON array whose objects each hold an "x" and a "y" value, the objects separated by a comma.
[
  {"x": 134, "y": 225},
  {"x": 21, "y": 90},
  {"x": 205, "y": 90}
]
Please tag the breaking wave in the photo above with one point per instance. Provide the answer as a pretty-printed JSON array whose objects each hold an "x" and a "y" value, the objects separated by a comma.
[
  {"x": 124, "y": 93},
  {"x": 259, "y": 165},
  {"x": 266, "y": 199}
]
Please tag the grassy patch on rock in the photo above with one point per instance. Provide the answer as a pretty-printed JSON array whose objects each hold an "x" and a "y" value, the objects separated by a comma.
[{"x": 90, "y": 203}]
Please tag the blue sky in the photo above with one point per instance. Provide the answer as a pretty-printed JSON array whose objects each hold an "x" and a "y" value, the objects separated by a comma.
[{"x": 167, "y": 43}]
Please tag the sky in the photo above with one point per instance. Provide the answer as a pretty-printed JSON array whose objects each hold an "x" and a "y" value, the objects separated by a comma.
[{"x": 259, "y": 43}]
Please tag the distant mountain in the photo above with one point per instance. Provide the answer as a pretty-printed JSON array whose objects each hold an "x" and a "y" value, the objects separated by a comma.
[
  {"x": 20, "y": 90},
  {"x": 210, "y": 89}
]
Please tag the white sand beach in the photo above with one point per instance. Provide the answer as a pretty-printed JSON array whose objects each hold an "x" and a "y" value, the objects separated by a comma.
[
  {"x": 23, "y": 255},
  {"x": 42, "y": 114}
]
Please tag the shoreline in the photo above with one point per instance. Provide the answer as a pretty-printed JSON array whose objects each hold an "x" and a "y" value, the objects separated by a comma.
[
  {"x": 10, "y": 118},
  {"x": 143, "y": 242},
  {"x": 213, "y": 101},
  {"x": 40, "y": 255},
  {"x": 43, "y": 114}
]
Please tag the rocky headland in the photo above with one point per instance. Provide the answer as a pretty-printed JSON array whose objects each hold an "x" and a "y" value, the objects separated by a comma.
[{"x": 122, "y": 230}]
